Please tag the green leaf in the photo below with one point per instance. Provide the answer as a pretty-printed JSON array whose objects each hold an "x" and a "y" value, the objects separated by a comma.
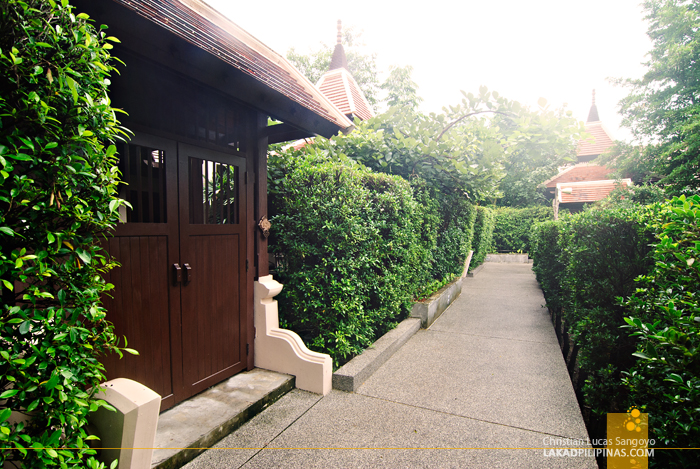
[
  {"x": 5, "y": 414},
  {"x": 9, "y": 393},
  {"x": 20, "y": 157},
  {"x": 8, "y": 285},
  {"x": 74, "y": 90},
  {"x": 84, "y": 255},
  {"x": 7, "y": 230},
  {"x": 25, "y": 327},
  {"x": 113, "y": 205},
  {"x": 52, "y": 382},
  {"x": 674, "y": 378}
]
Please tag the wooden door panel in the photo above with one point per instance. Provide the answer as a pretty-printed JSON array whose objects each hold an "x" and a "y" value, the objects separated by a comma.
[
  {"x": 213, "y": 244},
  {"x": 145, "y": 303},
  {"x": 139, "y": 309},
  {"x": 211, "y": 310}
]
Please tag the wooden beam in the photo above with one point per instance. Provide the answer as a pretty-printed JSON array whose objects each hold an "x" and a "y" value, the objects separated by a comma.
[{"x": 284, "y": 133}]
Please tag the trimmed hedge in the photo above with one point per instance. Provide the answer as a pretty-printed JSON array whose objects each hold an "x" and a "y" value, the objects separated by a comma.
[
  {"x": 483, "y": 235},
  {"x": 454, "y": 235},
  {"x": 514, "y": 226},
  {"x": 58, "y": 197},
  {"x": 353, "y": 253},
  {"x": 643, "y": 350},
  {"x": 665, "y": 319}
]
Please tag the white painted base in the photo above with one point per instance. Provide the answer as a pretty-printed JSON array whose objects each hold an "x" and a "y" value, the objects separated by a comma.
[
  {"x": 129, "y": 433},
  {"x": 282, "y": 350}
]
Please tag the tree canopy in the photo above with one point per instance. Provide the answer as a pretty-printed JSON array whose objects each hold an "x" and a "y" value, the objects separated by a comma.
[
  {"x": 401, "y": 90},
  {"x": 663, "y": 107},
  {"x": 466, "y": 148}
]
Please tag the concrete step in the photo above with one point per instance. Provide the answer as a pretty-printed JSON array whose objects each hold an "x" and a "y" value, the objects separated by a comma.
[{"x": 194, "y": 425}]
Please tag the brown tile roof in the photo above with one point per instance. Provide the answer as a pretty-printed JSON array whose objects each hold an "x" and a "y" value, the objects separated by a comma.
[
  {"x": 578, "y": 173},
  {"x": 598, "y": 142},
  {"x": 344, "y": 92},
  {"x": 199, "y": 24},
  {"x": 588, "y": 191}
]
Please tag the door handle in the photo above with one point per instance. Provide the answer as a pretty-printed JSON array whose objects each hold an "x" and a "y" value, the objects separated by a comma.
[
  {"x": 177, "y": 274},
  {"x": 188, "y": 273}
]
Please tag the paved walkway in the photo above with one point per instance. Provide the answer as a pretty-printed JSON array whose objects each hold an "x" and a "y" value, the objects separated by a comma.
[{"x": 485, "y": 387}]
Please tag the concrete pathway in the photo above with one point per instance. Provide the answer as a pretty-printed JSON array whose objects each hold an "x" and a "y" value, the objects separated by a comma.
[{"x": 485, "y": 387}]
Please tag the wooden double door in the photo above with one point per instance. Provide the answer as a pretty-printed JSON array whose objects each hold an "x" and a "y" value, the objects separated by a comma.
[{"x": 180, "y": 293}]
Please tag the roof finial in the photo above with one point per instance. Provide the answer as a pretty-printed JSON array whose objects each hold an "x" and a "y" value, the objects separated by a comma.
[
  {"x": 593, "y": 114},
  {"x": 338, "y": 59}
]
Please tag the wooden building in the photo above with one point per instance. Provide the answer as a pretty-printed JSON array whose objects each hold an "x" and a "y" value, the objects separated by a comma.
[
  {"x": 585, "y": 182},
  {"x": 198, "y": 91}
]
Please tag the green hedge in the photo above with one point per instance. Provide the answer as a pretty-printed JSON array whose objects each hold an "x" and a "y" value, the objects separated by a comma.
[
  {"x": 631, "y": 312},
  {"x": 483, "y": 234},
  {"x": 353, "y": 252},
  {"x": 57, "y": 197},
  {"x": 514, "y": 225},
  {"x": 454, "y": 235},
  {"x": 665, "y": 318}
]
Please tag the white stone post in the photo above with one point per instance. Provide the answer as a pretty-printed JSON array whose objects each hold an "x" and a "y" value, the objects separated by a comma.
[
  {"x": 282, "y": 350},
  {"x": 129, "y": 433}
]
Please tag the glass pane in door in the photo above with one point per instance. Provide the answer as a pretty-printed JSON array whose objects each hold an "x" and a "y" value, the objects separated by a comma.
[{"x": 213, "y": 192}]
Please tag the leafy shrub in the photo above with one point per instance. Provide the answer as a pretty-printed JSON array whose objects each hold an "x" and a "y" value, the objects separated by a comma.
[
  {"x": 483, "y": 234},
  {"x": 547, "y": 262},
  {"x": 604, "y": 252},
  {"x": 353, "y": 252},
  {"x": 454, "y": 235},
  {"x": 583, "y": 263},
  {"x": 665, "y": 382},
  {"x": 644, "y": 194},
  {"x": 57, "y": 195},
  {"x": 514, "y": 225}
]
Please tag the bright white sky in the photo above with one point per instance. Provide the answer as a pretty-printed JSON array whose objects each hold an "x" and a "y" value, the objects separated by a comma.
[{"x": 524, "y": 49}]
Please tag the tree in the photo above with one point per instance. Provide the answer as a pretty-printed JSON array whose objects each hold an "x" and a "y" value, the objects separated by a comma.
[
  {"x": 532, "y": 163},
  {"x": 663, "y": 107},
  {"x": 465, "y": 148},
  {"x": 58, "y": 197},
  {"x": 363, "y": 67},
  {"x": 401, "y": 90}
]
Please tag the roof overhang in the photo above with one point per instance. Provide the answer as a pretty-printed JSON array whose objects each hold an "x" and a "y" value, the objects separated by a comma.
[
  {"x": 193, "y": 39},
  {"x": 588, "y": 191}
]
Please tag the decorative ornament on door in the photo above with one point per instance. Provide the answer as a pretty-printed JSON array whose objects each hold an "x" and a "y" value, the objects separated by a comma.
[{"x": 265, "y": 226}]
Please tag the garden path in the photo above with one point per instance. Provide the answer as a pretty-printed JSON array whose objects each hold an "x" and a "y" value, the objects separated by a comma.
[{"x": 485, "y": 386}]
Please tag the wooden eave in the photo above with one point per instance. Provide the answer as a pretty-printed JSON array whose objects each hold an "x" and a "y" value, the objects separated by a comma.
[{"x": 203, "y": 56}]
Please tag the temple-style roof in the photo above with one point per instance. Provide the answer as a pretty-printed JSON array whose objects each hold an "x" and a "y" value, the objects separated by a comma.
[
  {"x": 341, "y": 88},
  {"x": 593, "y": 113},
  {"x": 200, "y": 25},
  {"x": 579, "y": 173},
  {"x": 588, "y": 191},
  {"x": 586, "y": 182},
  {"x": 600, "y": 139}
]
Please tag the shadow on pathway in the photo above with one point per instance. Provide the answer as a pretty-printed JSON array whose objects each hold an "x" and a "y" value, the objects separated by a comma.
[{"x": 485, "y": 387}]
